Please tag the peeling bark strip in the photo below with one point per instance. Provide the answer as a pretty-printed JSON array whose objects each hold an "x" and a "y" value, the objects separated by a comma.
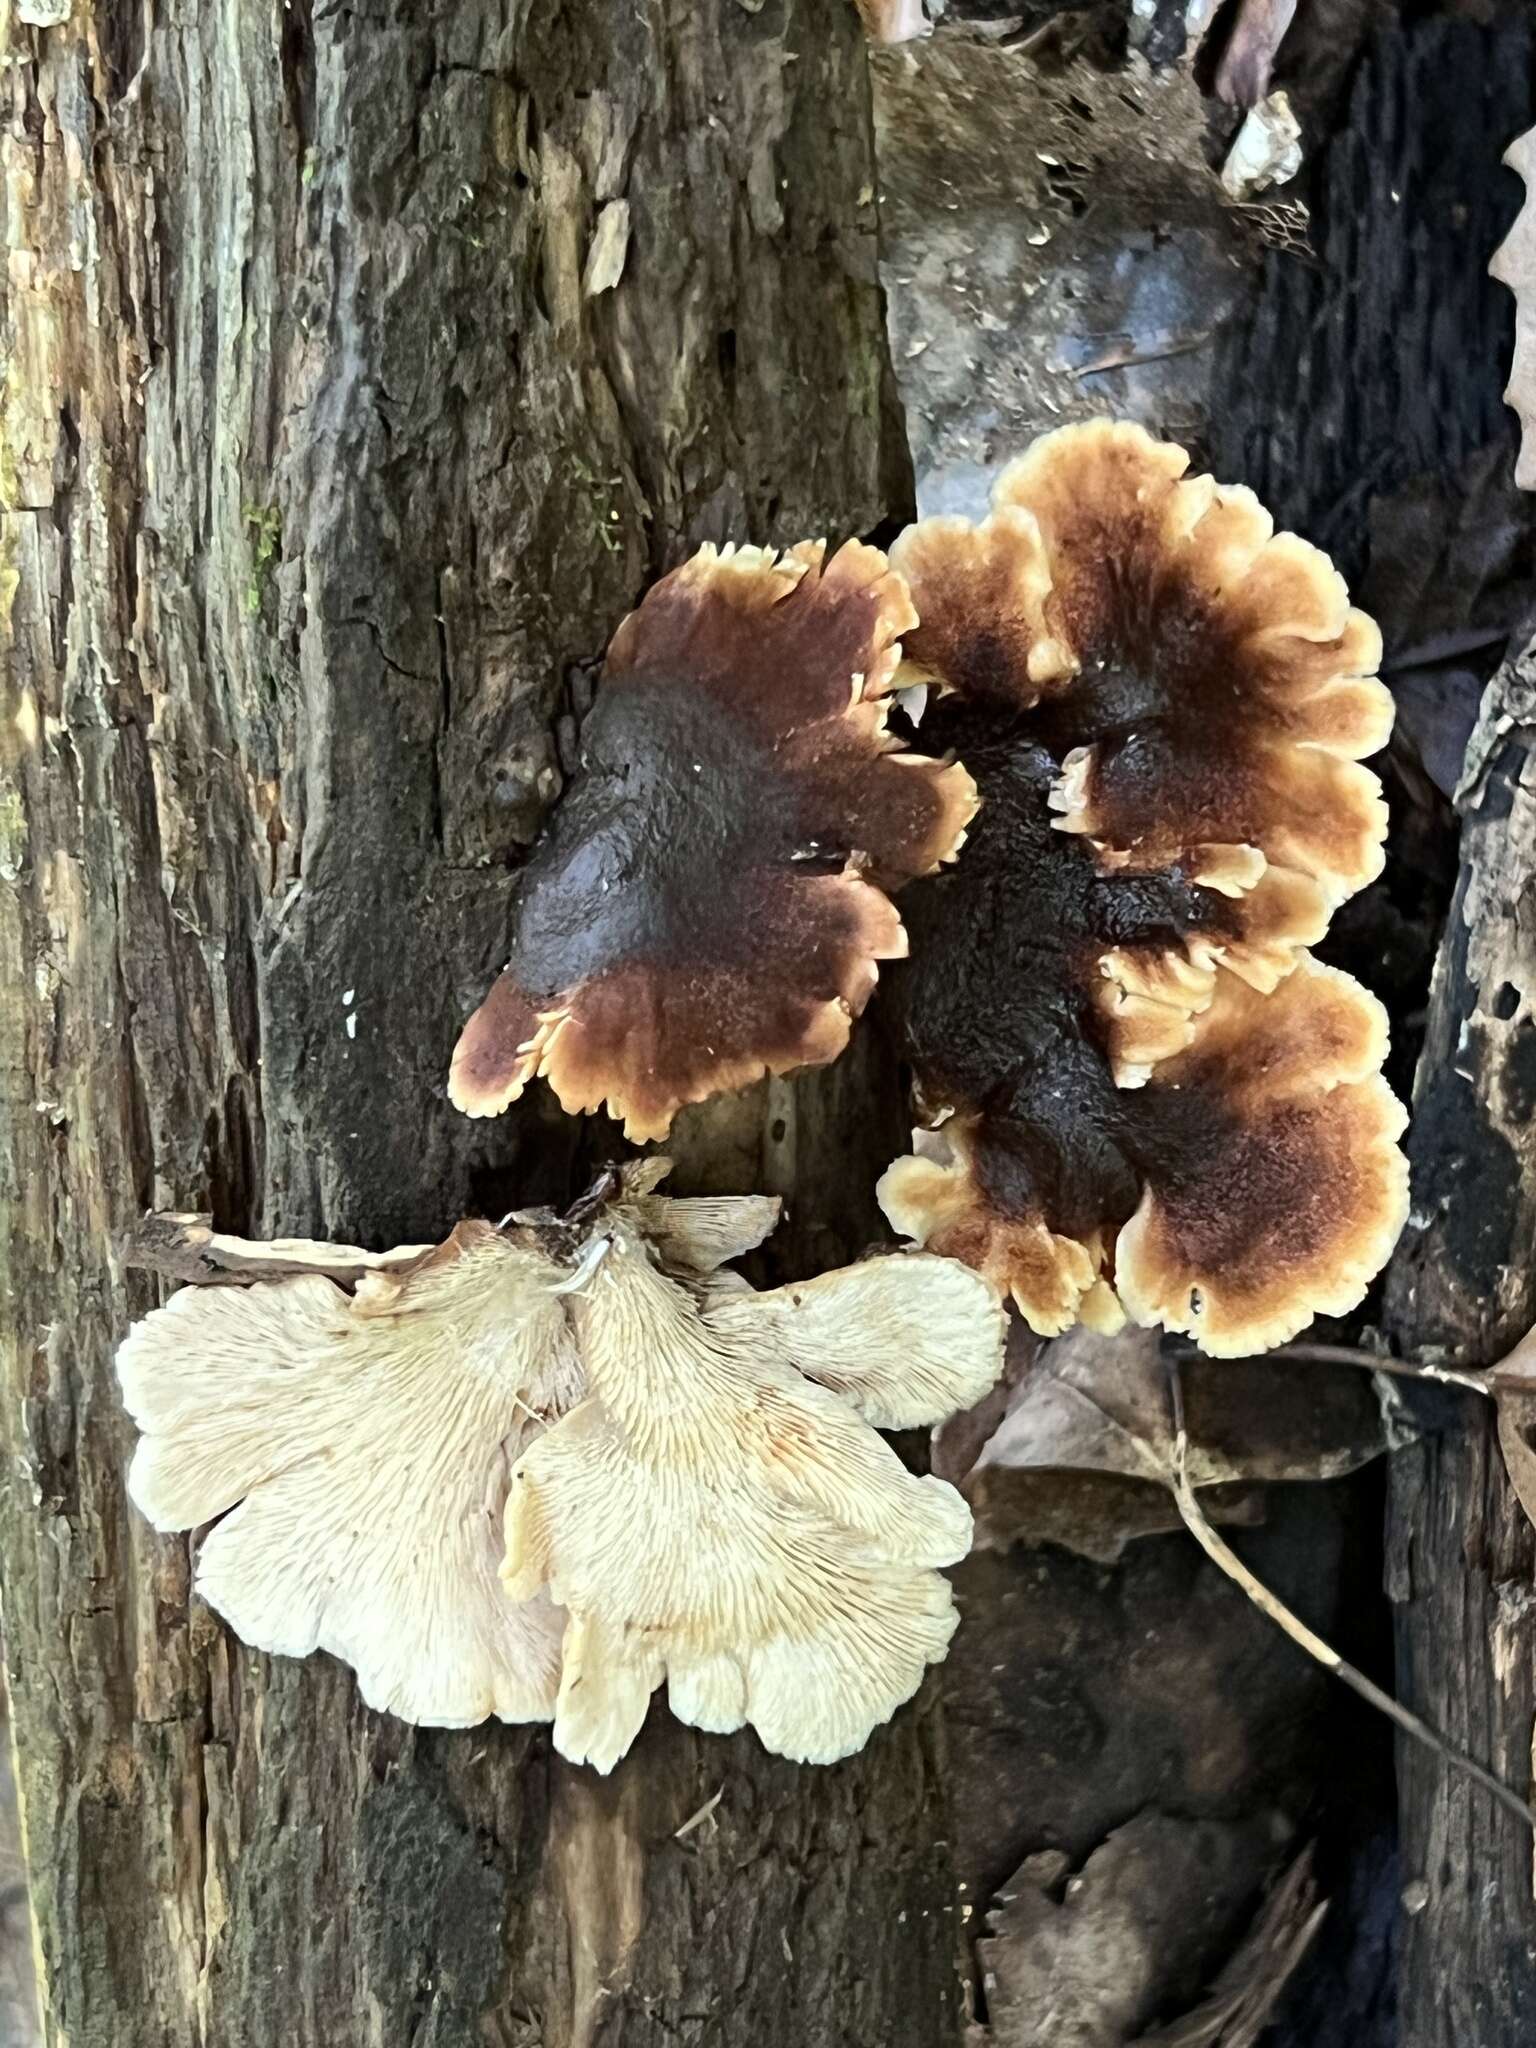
[
  {"x": 1462, "y": 1556},
  {"x": 340, "y": 432}
]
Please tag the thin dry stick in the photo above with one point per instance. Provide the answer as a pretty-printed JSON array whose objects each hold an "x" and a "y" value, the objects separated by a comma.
[
  {"x": 1373, "y": 1361},
  {"x": 1227, "y": 1560}
]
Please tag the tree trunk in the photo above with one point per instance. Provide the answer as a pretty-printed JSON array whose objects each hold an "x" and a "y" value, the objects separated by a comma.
[
  {"x": 1462, "y": 1557},
  {"x": 367, "y": 362}
]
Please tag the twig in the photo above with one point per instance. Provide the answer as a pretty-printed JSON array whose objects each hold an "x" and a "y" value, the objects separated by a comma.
[
  {"x": 1131, "y": 358},
  {"x": 1227, "y": 1560},
  {"x": 698, "y": 1819},
  {"x": 1372, "y": 1361}
]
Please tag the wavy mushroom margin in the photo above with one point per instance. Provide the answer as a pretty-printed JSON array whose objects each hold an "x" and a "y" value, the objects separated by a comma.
[
  {"x": 1165, "y": 705},
  {"x": 712, "y": 899}
]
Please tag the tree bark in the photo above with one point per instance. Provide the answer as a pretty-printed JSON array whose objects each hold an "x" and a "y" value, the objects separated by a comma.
[
  {"x": 366, "y": 362},
  {"x": 1462, "y": 1555}
]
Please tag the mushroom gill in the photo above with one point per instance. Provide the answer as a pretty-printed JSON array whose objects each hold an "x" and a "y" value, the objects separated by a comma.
[
  {"x": 352, "y": 1451},
  {"x": 714, "y": 1517},
  {"x": 417, "y": 1460}
]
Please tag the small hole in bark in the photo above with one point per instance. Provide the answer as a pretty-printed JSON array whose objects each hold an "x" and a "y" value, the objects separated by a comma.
[{"x": 1506, "y": 1002}]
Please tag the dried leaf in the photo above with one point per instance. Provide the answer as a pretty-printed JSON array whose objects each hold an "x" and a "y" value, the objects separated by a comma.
[
  {"x": 959, "y": 1442},
  {"x": 1512, "y": 1383},
  {"x": 1083, "y": 1454},
  {"x": 1267, "y": 150},
  {"x": 1084, "y": 1961},
  {"x": 1244, "y": 1996},
  {"x": 1449, "y": 578}
]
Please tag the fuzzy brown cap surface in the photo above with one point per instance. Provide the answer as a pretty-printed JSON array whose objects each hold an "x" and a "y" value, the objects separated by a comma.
[
  {"x": 710, "y": 902},
  {"x": 1164, "y": 705}
]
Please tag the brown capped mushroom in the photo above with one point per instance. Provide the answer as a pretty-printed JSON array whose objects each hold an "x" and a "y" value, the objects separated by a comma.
[
  {"x": 712, "y": 1518},
  {"x": 355, "y": 1451},
  {"x": 1163, "y": 704},
  {"x": 710, "y": 901}
]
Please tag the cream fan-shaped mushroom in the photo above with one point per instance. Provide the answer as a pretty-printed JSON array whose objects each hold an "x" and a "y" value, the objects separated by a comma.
[
  {"x": 1514, "y": 264},
  {"x": 694, "y": 1233},
  {"x": 357, "y": 1426},
  {"x": 357, "y": 1448},
  {"x": 711, "y": 1517}
]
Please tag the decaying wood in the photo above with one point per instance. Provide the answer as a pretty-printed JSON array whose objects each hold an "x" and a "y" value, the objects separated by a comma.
[
  {"x": 366, "y": 362},
  {"x": 1462, "y": 1557}
]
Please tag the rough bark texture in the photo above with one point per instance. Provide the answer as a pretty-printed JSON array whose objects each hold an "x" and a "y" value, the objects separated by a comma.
[
  {"x": 335, "y": 453},
  {"x": 1462, "y": 1560},
  {"x": 1373, "y": 416}
]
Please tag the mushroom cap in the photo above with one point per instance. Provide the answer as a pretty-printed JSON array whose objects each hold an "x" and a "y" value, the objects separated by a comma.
[
  {"x": 354, "y": 1452},
  {"x": 1271, "y": 1185},
  {"x": 1201, "y": 686},
  {"x": 1163, "y": 703},
  {"x": 709, "y": 902},
  {"x": 711, "y": 1517}
]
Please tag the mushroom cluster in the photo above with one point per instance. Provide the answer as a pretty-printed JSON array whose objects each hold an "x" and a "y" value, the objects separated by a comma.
[
  {"x": 541, "y": 1468},
  {"x": 535, "y": 1470},
  {"x": 1140, "y": 1092},
  {"x": 1147, "y": 716}
]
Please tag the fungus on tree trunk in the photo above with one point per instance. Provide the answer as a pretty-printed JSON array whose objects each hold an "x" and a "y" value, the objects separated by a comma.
[
  {"x": 710, "y": 902},
  {"x": 351, "y": 1449},
  {"x": 687, "y": 1468},
  {"x": 1146, "y": 1096},
  {"x": 1514, "y": 264}
]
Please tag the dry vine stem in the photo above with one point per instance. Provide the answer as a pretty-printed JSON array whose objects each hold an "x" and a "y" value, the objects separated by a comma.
[
  {"x": 1227, "y": 1560},
  {"x": 1373, "y": 1361}
]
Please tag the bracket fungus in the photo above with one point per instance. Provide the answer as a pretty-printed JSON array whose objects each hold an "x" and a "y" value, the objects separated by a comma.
[
  {"x": 1142, "y": 1095},
  {"x": 711, "y": 898},
  {"x": 534, "y": 1470},
  {"x": 1514, "y": 264}
]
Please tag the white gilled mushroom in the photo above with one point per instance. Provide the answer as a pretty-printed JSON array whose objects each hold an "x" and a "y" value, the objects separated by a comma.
[
  {"x": 711, "y": 1517},
  {"x": 668, "y": 1471},
  {"x": 357, "y": 1448}
]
